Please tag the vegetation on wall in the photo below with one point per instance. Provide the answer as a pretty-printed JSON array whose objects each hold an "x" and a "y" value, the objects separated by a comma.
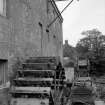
[{"x": 16, "y": 65}]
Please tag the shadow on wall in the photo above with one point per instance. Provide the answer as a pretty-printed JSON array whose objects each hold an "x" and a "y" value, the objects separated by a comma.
[{"x": 78, "y": 103}]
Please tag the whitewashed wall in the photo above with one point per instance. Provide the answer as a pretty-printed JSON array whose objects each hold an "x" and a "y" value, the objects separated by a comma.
[{"x": 69, "y": 72}]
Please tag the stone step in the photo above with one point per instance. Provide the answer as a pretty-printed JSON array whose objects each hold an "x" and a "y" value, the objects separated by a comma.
[
  {"x": 36, "y": 83},
  {"x": 29, "y": 95},
  {"x": 27, "y": 92},
  {"x": 42, "y": 60},
  {"x": 81, "y": 93},
  {"x": 33, "y": 83},
  {"x": 31, "y": 89},
  {"x": 38, "y": 66},
  {"x": 36, "y": 73},
  {"x": 46, "y": 82},
  {"x": 34, "y": 79}
]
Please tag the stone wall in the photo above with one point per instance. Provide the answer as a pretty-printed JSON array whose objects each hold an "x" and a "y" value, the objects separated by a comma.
[
  {"x": 23, "y": 30},
  {"x": 26, "y": 17},
  {"x": 30, "y": 19},
  {"x": 55, "y": 31}
]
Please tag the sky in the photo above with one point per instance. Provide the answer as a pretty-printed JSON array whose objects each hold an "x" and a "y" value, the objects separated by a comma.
[{"x": 81, "y": 16}]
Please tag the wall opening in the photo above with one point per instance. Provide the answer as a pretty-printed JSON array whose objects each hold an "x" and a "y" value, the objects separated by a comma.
[{"x": 3, "y": 72}]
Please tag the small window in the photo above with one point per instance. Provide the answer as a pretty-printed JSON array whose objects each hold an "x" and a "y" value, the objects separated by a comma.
[{"x": 3, "y": 7}]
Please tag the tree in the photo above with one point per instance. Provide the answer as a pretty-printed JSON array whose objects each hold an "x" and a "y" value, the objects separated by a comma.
[
  {"x": 92, "y": 44},
  {"x": 93, "y": 47}
]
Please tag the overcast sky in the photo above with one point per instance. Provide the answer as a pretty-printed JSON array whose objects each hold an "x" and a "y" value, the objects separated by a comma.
[{"x": 80, "y": 16}]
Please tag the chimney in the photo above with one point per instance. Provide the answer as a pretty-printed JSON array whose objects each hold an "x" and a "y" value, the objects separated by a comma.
[{"x": 66, "y": 42}]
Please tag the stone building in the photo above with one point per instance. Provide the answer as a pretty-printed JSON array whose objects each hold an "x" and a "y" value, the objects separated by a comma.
[{"x": 25, "y": 31}]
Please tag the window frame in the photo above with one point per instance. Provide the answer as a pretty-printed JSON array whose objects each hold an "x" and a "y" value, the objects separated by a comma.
[{"x": 3, "y": 11}]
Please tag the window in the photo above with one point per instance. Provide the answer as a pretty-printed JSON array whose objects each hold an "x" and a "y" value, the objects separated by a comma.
[
  {"x": 3, "y": 7},
  {"x": 3, "y": 72}
]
